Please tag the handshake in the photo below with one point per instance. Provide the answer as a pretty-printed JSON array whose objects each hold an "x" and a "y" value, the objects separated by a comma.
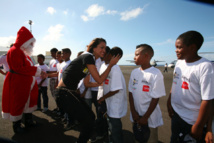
[{"x": 44, "y": 75}]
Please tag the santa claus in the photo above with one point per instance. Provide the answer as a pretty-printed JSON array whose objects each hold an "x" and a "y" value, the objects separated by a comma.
[{"x": 20, "y": 91}]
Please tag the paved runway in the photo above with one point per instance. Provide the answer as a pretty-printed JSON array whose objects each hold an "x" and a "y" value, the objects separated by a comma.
[{"x": 50, "y": 129}]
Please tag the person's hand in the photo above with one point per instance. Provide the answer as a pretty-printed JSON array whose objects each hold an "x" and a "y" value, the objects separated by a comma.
[
  {"x": 100, "y": 100},
  {"x": 114, "y": 60},
  {"x": 44, "y": 75},
  {"x": 143, "y": 121},
  {"x": 196, "y": 132},
  {"x": 135, "y": 116},
  {"x": 169, "y": 107},
  {"x": 209, "y": 137}
]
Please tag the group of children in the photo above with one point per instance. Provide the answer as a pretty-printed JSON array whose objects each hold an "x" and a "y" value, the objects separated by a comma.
[{"x": 189, "y": 103}]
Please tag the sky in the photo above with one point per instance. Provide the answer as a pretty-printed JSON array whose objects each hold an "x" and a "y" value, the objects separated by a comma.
[{"x": 124, "y": 23}]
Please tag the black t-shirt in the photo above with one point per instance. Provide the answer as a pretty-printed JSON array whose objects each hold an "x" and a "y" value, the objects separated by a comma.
[{"x": 77, "y": 70}]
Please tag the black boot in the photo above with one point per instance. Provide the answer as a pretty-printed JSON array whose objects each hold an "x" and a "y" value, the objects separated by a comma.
[
  {"x": 28, "y": 120},
  {"x": 17, "y": 127}
]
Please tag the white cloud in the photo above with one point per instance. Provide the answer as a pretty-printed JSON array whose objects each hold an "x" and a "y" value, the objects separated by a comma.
[
  {"x": 111, "y": 12},
  {"x": 65, "y": 12},
  {"x": 168, "y": 41},
  {"x": 92, "y": 12},
  {"x": 6, "y": 41},
  {"x": 84, "y": 18},
  {"x": 127, "y": 15},
  {"x": 51, "y": 10},
  {"x": 54, "y": 33}
]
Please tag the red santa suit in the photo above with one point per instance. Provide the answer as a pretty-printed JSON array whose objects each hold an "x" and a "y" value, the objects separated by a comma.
[{"x": 20, "y": 91}]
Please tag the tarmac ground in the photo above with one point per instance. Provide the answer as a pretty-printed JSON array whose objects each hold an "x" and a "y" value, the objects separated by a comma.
[{"x": 50, "y": 128}]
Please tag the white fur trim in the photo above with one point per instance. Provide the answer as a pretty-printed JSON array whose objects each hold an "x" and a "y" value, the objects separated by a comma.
[
  {"x": 27, "y": 43},
  {"x": 38, "y": 71},
  {"x": 10, "y": 117}
]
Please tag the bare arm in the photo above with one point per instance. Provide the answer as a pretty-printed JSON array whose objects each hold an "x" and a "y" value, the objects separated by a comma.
[
  {"x": 134, "y": 113},
  {"x": 169, "y": 106},
  {"x": 202, "y": 119},
  {"x": 2, "y": 72},
  {"x": 109, "y": 94},
  {"x": 87, "y": 82},
  {"x": 100, "y": 78},
  {"x": 152, "y": 106}
]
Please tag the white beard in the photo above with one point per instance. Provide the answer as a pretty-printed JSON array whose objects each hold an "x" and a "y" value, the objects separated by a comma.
[{"x": 29, "y": 50}]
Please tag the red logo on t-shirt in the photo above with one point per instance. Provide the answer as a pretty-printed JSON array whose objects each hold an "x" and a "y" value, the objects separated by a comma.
[
  {"x": 54, "y": 65},
  {"x": 106, "y": 81},
  {"x": 61, "y": 71},
  {"x": 185, "y": 85},
  {"x": 146, "y": 88}
]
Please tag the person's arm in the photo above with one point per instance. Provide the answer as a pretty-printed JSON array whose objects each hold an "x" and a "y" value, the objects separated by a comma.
[
  {"x": 134, "y": 113},
  {"x": 100, "y": 78},
  {"x": 109, "y": 94},
  {"x": 2, "y": 72},
  {"x": 88, "y": 84},
  {"x": 40, "y": 84},
  {"x": 52, "y": 74},
  {"x": 144, "y": 120},
  {"x": 203, "y": 116},
  {"x": 209, "y": 135},
  {"x": 169, "y": 106}
]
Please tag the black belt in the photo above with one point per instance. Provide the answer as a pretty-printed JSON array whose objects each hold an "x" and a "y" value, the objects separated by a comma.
[{"x": 12, "y": 71}]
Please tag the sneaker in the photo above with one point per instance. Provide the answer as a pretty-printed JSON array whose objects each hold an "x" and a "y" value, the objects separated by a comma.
[
  {"x": 45, "y": 109},
  {"x": 69, "y": 126},
  {"x": 96, "y": 138}
]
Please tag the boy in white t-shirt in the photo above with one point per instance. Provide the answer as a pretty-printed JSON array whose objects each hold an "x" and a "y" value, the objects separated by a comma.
[
  {"x": 53, "y": 69},
  {"x": 146, "y": 86},
  {"x": 114, "y": 93},
  {"x": 42, "y": 84},
  {"x": 190, "y": 101}
]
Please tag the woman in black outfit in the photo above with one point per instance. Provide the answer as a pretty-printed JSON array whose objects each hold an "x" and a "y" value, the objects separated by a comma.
[{"x": 66, "y": 96}]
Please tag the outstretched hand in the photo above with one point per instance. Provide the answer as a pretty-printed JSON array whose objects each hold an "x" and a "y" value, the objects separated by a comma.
[
  {"x": 114, "y": 60},
  {"x": 44, "y": 75}
]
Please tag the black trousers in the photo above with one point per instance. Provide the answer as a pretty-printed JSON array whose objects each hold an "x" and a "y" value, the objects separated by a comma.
[{"x": 74, "y": 106}]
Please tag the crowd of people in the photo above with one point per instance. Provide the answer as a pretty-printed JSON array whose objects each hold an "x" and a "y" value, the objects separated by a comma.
[{"x": 94, "y": 77}]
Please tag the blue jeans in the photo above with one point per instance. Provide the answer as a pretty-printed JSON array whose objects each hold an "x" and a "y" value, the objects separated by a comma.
[
  {"x": 178, "y": 126},
  {"x": 43, "y": 91},
  {"x": 115, "y": 126}
]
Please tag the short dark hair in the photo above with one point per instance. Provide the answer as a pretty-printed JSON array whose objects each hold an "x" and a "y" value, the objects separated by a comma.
[
  {"x": 94, "y": 44},
  {"x": 146, "y": 48},
  {"x": 66, "y": 50},
  {"x": 58, "y": 52},
  {"x": 116, "y": 51},
  {"x": 54, "y": 50},
  {"x": 192, "y": 37},
  {"x": 41, "y": 56},
  {"x": 107, "y": 49},
  {"x": 79, "y": 53}
]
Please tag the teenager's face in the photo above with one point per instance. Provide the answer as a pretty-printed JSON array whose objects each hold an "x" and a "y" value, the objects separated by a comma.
[
  {"x": 140, "y": 57},
  {"x": 181, "y": 49},
  {"x": 65, "y": 56},
  {"x": 53, "y": 55},
  {"x": 58, "y": 57},
  {"x": 100, "y": 50},
  {"x": 40, "y": 60}
]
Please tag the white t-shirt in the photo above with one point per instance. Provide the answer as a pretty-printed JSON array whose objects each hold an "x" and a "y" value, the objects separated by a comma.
[
  {"x": 98, "y": 64},
  {"x": 81, "y": 87},
  {"x": 63, "y": 66},
  {"x": 39, "y": 78},
  {"x": 3, "y": 61},
  {"x": 145, "y": 85},
  {"x": 116, "y": 104},
  {"x": 192, "y": 83},
  {"x": 53, "y": 66}
]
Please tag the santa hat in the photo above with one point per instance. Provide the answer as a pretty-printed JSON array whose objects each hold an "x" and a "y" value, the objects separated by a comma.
[{"x": 24, "y": 38}]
